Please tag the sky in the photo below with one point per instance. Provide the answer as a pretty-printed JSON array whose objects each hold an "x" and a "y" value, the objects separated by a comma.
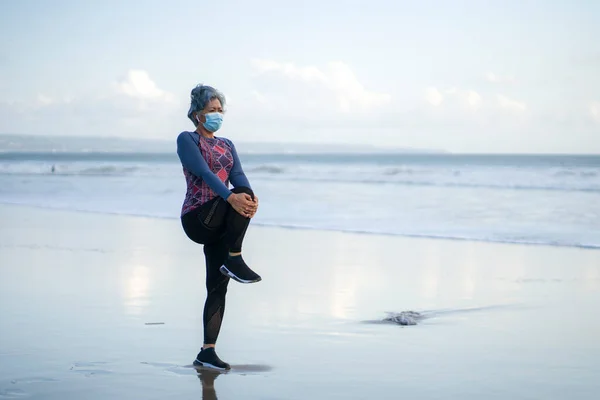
[{"x": 462, "y": 76}]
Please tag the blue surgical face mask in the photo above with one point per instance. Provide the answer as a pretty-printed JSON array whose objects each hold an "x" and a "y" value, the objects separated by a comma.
[{"x": 213, "y": 122}]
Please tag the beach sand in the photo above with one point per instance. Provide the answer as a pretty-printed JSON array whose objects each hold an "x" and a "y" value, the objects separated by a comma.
[{"x": 110, "y": 307}]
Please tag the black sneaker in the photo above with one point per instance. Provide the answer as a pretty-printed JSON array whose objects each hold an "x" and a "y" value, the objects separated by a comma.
[
  {"x": 208, "y": 358},
  {"x": 236, "y": 268}
]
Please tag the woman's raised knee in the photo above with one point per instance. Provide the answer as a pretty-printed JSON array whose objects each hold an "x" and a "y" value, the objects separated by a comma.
[{"x": 243, "y": 189}]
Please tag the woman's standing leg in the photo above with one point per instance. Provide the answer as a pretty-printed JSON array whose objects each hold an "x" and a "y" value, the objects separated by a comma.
[
  {"x": 216, "y": 290},
  {"x": 216, "y": 251},
  {"x": 215, "y": 254},
  {"x": 222, "y": 251}
]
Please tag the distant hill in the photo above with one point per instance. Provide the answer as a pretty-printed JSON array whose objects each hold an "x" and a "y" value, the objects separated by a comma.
[{"x": 39, "y": 143}]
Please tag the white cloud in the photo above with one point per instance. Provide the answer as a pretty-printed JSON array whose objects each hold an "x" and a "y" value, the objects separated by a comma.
[
  {"x": 595, "y": 110},
  {"x": 44, "y": 100},
  {"x": 125, "y": 107},
  {"x": 258, "y": 96},
  {"x": 495, "y": 78},
  {"x": 289, "y": 70},
  {"x": 473, "y": 98},
  {"x": 350, "y": 91},
  {"x": 434, "y": 96},
  {"x": 510, "y": 104},
  {"x": 337, "y": 79},
  {"x": 469, "y": 98},
  {"x": 138, "y": 84}
]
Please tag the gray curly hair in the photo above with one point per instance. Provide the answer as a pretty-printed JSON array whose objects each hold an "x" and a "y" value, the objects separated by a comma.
[{"x": 200, "y": 96}]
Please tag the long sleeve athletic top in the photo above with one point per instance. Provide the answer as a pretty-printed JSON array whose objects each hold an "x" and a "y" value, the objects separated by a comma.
[{"x": 209, "y": 165}]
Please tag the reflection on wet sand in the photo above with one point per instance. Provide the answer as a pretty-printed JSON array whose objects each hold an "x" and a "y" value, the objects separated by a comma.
[
  {"x": 136, "y": 290},
  {"x": 207, "y": 377}
]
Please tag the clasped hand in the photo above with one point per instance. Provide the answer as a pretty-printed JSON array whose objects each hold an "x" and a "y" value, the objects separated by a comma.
[{"x": 243, "y": 204}]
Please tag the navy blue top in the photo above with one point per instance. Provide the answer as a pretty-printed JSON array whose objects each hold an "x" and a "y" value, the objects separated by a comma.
[{"x": 191, "y": 158}]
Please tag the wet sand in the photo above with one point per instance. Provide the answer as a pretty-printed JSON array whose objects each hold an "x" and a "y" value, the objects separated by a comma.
[{"x": 103, "y": 306}]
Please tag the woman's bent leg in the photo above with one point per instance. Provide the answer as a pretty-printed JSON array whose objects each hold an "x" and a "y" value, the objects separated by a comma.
[
  {"x": 216, "y": 217},
  {"x": 235, "y": 229},
  {"x": 237, "y": 224}
]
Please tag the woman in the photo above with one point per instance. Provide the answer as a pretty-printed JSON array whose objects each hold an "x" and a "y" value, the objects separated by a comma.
[{"x": 212, "y": 214}]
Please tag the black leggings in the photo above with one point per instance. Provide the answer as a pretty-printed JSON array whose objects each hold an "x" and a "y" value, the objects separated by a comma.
[{"x": 221, "y": 230}]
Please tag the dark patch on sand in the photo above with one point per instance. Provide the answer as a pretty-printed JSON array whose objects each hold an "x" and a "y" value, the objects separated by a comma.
[
  {"x": 404, "y": 317},
  {"x": 408, "y": 318}
]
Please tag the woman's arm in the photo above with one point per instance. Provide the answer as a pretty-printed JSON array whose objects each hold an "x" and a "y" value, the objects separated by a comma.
[
  {"x": 192, "y": 160},
  {"x": 237, "y": 177}
]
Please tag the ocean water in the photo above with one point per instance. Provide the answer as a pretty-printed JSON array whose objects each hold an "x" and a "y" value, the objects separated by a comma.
[{"x": 529, "y": 199}]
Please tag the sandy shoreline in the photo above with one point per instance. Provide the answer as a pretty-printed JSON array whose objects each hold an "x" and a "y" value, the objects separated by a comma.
[{"x": 77, "y": 291}]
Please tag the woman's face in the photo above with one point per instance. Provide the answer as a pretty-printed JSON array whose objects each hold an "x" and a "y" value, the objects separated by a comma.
[{"x": 213, "y": 106}]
